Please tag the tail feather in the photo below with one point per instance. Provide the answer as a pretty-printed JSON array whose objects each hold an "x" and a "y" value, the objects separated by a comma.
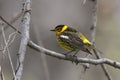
[
  {"x": 88, "y": 52},
  {"x": 94, "y": 48}
]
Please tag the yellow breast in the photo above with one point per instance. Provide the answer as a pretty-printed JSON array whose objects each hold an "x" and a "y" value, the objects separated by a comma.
[{"x": 64, "y": 45}]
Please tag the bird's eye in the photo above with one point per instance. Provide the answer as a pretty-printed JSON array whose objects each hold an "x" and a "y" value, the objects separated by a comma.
[{"x": 58, "y": 29}]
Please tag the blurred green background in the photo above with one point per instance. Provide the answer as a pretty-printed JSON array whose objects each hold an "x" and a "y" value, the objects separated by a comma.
[{"x": 46, "y": 14}]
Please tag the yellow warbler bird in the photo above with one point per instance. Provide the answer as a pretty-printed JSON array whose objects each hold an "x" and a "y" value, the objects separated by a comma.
[{"x": 72, "y": 40}]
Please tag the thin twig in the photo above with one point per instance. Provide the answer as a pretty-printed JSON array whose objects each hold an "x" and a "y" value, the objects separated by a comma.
[
  {"x": 15, "y": 18},
  {"x": 1, "y": 74},
  {"x": 9, "y": 24},
  {"x": 93, "y": 29},
  {"x": 24, "y": 38},
  {"x": 102, "y": 65},
  {"x": 6, "y": 48},
  {"x": 1, "y": 61},
  {"x": 11, "y": 39}
]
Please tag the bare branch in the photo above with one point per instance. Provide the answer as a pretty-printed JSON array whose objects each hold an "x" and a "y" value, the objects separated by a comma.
[
  {"x": 24, "y": 38},
  {"x": 74, "y": 59},
  {"x": 93, "y": 29}
]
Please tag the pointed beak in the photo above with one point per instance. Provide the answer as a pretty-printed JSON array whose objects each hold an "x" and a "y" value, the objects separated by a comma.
[{"x": 52, "y": 30}]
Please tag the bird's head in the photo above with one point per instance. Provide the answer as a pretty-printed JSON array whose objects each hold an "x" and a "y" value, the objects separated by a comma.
[{"x": 61, "y": 28}]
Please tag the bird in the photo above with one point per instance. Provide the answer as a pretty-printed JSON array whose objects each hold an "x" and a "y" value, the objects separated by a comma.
[{"x": 72, "y": 40}]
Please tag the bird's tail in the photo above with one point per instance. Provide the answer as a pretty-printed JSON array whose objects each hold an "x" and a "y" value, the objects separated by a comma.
[{"x": 93, "y": 47}]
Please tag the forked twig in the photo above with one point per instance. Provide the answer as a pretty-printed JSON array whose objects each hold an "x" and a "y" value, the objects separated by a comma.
[
  {"x": 15, "y": 18},
  {"x": 6, "y": 48}
]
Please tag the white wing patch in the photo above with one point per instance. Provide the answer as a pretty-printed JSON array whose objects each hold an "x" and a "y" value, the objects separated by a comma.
[{"x": 64, "y": 36}]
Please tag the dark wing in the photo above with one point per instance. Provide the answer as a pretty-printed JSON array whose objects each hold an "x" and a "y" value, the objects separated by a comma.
[{"x": 72, "y": 39}]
